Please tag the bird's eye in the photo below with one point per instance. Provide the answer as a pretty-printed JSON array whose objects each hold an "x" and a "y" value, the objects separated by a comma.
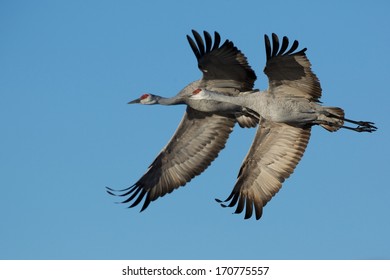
[{"x": 196, "y": 91}]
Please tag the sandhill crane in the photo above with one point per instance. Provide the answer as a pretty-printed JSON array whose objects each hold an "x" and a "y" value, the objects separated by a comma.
[
  {"x": 205, "y": 126},
  {"x": 287, "y": 110}
]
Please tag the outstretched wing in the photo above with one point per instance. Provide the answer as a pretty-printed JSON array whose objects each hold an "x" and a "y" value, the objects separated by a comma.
[
  {"x": 225, "y": 69},
  {"x": 273, "y": 156},
  {"x": 200, "y": 136},
  {"x": 289, "y": 72},
  {"x": 223, "y": 66},
  {"x": 195, "y": 144}
]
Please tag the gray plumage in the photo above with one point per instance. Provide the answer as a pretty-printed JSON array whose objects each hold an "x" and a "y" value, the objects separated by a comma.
[
  {"x": 287, "y": 110},
  {"x": 205, "y": 126}
]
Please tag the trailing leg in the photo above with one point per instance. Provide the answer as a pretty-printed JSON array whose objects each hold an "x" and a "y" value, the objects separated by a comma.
[
  {"x": 333, "y": 119},
  {"x": 362, "y": 126}
]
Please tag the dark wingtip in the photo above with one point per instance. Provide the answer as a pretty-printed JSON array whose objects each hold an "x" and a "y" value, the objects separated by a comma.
[
  {"x": 275, "y": 49},
  {"x": 146, "y": 203},
  {"x": 194, "y": 47},
  {"x": 208, "y": 41},
  {"x": 138, "y": 200},
  {"x": 267, "y": 46},
  {"x": 284, "y": 46},
  {"x": 110, "y": 192},
  {"x": 217, "y": 40},
  {"x": 275, "y": 44},
  {"x": 221, "y": 202}
]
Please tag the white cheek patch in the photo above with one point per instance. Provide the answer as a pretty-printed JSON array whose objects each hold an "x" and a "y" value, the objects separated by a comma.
[{"x": 145, "y": 98}]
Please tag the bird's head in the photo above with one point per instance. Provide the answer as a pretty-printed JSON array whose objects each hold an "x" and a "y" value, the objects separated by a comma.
[
  {"x": 198, "y": 94},
  {"x": 146, "y": 98}
]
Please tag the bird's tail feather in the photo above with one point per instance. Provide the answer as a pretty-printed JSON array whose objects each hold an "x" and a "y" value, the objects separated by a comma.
[
  {"x": 246, "y": 121},
  {"x": 247, "y": 118},
  {"x": 332, "y": 119}
]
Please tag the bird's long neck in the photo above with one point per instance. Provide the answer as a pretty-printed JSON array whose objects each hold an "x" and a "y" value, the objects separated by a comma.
[
  {"x": 175, "y": 100},
  {"x": 243, "y": 100}
]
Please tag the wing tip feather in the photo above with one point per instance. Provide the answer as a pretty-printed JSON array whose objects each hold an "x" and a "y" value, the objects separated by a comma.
[{"x": 274, "y": 49}]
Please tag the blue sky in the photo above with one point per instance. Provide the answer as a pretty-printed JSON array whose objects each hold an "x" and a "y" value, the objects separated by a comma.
[{"x": 68, "y": 68}]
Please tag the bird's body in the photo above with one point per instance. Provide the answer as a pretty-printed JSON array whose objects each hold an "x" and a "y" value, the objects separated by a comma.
[
  {"x": 296, "y": 111},
  {"x": 285, "y": 113},
  {"x": 205, "y": 126},
  {"x": 287, "y": 110}
]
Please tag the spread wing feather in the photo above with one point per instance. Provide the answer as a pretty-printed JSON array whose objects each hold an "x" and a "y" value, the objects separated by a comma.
[
  {"x": 220, "y": 64},
  {"x": 273, "y": 156},
  {"x": 289, "y": 72},
  {"x": 225, "y": 69},
  {"x": 200, "y": 136},
  {"x": 195, "y": 144}
]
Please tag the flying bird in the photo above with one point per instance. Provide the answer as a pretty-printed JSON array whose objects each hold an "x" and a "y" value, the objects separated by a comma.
[
  {"x": 287, "y": 111},
  {"x": 205, "y": 126}
]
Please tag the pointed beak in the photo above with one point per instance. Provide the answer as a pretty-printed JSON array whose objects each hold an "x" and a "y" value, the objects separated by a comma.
[{"x": 135, "y": 101}]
